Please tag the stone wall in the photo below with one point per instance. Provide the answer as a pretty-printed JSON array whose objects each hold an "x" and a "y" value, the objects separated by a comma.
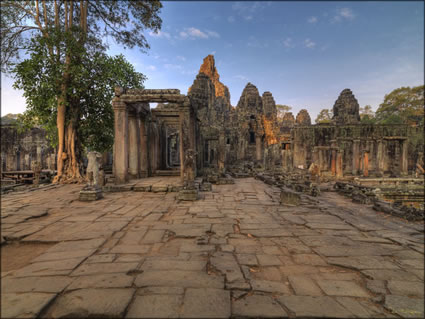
[{"x": 20, "y": 149}]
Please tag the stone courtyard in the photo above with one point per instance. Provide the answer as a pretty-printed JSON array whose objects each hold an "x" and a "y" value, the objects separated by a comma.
[{"x": 236, "y": 252}]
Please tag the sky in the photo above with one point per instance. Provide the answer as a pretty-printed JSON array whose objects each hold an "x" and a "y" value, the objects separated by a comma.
[{"x": 304, "y": 53}]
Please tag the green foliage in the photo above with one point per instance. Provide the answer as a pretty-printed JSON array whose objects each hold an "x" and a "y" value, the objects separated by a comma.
[
  {"x": 123, "y": 21},
  {"x": 367, "y": 116},
  {"x": 90, "y": 89},
  {"x": 402, "y": 105},
  {"x": 325, "y": 116}
]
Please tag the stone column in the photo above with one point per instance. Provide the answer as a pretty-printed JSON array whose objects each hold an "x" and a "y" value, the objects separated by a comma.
[
  {"x": 258, "y": 148},
  {"x": 380, "y": 157},
  {"x": 339, "y": 171},
  {"x": 222, "y": 151},
  {"x": 120, "y": 141},
  {"x": 356, "y": 156},
  {"x": 404, "y": 157},
  {"x": 366, "y": 163},
  {"x": 133, "y": 145},
  {"x": 333, "y": 157},
  {"x": 186, "y": 150}
]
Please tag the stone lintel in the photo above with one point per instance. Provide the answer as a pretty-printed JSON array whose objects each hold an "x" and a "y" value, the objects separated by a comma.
[{"x": 161, "y": 98}]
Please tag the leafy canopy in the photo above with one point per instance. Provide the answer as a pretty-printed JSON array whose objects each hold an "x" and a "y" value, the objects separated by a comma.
[
  {"x": 402, "y": 105},
  {"x": 324, "y": 116},
  {"x": 90, "y": 89}
]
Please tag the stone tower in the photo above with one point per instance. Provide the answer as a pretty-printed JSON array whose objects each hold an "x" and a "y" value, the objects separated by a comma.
[
  {"x": 303, "y": 118},
  {"x": 346, "y": 109}
]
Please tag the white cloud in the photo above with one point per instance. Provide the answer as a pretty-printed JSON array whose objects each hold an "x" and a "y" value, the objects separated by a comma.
[
  {"x": 241, "y": 77},
  {"x": 194, "y": 33},
  {"x": 309, "y": 44},
  {"x": 312, "y": 20},
  {"x": 288, "y": 43},
  {"x": 151, "y": 67},
  {"x": 247, "y": 9},
  {"x": 231, "y": 19},
  {"x": 173, "y": 66},
  {"x": 160, "y": 34},
  {"x": 343, "y": 14},
  {"x": 181, "y": 58}
]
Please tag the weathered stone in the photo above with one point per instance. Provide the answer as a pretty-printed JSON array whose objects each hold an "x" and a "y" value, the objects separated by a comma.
[
  {"x": 52, "y": 284},
  {"x": 304, "y": 286},
  {"x": 342, "y": 288},
  {"x": 206, "y": 303},
  {"x": 317, "y": 307},
  {"x": 85, "y": 303},
  {"x": 405, "y": 307},
  {"x": 178, "y": 278},
  {"x": 255, "y": 306},
  {"x": 23, "y": 305},
  {"x": 155, "y": 306}
]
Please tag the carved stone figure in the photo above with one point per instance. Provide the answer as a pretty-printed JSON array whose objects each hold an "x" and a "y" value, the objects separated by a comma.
[{"x": 93, "y": 168}]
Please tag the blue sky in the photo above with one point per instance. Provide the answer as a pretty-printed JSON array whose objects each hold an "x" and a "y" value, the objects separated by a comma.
[{"x": 305, "y": 53}]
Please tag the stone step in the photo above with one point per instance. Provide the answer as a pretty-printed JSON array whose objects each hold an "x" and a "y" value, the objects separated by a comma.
[{"x": 168, "y": 172}]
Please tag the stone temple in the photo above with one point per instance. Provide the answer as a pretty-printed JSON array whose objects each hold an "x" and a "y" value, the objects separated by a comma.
[{"x": 202, "y": 134}]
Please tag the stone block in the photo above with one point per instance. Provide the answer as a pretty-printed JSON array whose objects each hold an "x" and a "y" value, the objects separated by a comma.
[
  {"x": 188, "y": 195},
  {"x": 289, "y": 197},
  {"x": 90, "y": 195}
]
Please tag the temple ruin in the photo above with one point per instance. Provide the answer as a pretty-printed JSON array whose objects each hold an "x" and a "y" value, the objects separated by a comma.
[{"x": 202, "y": 134}]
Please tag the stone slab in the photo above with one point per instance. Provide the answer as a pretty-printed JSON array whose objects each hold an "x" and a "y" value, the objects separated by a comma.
[
  {"x": 179, "y": 278},
  {"x": 84, "y": 303},
  {"x": 155, "y": 306},
  {"x": 257, "y": 306},
  {"x": 206, "y": 303},
  {"x": 23, "y": 305}
]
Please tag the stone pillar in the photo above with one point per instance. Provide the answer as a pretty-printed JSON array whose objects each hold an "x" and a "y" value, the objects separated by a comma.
[
  {"x": 258, "y": 148},
  {"x": 339, "y": 170},
  {"x": 366, "y": 163},
  {"x": 222, "y": 152},
  {"x": 404, "y": 158},
  {"x": 186, "y": 149},
  {"x": 380, "y": 157},
  {"x": 120, "y": 141},
  {"x": 133, "y": 145},
  {"x": 356, "y": 156},
  {"x": 333, "y": 157}
]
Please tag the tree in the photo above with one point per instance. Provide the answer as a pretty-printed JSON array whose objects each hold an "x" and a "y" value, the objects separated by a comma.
[
  {"x": 367, "y": 116},
  {"x": 402, "y": 105},
  {"x": 325, "y": 116},
  {"x": 67, "y": 31},
  {"x": 282, "y": 109}
]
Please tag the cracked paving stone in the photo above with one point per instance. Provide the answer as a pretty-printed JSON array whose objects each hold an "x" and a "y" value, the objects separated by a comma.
[
  {"x": 257, "y": 306},
  {"x": 342, "y": 288},
  {"x": 155, "y": 306},
  {"x": 404, "y": 288},
  {"x": 35, "y": 284},
  {"x": 179, "y": 278},
  {"x": 270, "y": 286},
  {"x": 23, "y": 305},
  {"x": 405, "y": 307},
  {"x": 85, "y": 303},
  {"x": 316, "y": 307},
  {"x": 206, "y": 303}
]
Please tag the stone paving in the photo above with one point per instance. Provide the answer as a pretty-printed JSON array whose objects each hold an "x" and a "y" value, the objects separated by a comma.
[{"x": 234, "y": 253}]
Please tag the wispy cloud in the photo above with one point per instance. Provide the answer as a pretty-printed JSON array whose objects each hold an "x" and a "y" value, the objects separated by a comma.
[
  {"x": 343, "y": 14},
  {"x": 160, "y": 34},
  {"x": 288, "y": 43},
  {"x": 151, "y": 67},
  {"x": 247, "y": 10},
  {"x": 171, "y": 66},
  {"x": 253, "y": 42},
  {"x": 312, "y": 20},
  {"x": 181, "y": 58},
  {"x": 241, "y": 77},
  {"x": 231, "y": 19},
  {"x": 194, "y": 33},
  {"x": 309, "y": 44}
]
